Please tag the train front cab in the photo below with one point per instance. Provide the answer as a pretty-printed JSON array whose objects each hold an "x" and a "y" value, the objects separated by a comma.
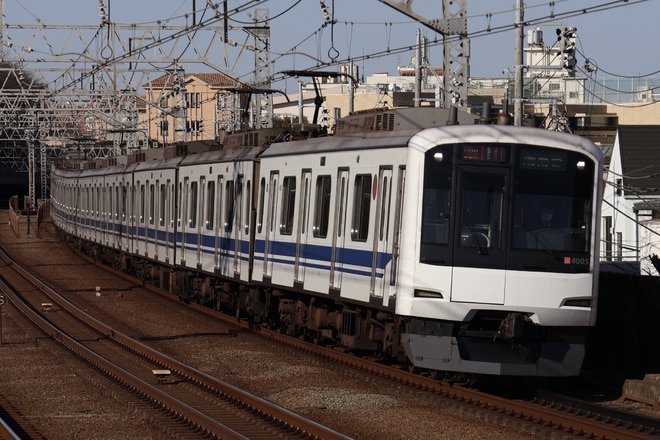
[{"x": 498, "y": 275}]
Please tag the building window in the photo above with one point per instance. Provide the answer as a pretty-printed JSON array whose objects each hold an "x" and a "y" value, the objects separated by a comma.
[
  {"x": 194, "y": 100},
  {"x": 195, "y": 126},
  {"x": 222, "y": 101}
]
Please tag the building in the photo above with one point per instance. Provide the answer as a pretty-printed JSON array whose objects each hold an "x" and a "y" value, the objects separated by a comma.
[
  {"x": 190, "y": 107},
  {"x": 631, "y": 203}
]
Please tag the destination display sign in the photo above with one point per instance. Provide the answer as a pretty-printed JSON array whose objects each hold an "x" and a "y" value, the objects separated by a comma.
[
  {"x": 484, "y": 153},
  {"x": 542, "y": 160}
]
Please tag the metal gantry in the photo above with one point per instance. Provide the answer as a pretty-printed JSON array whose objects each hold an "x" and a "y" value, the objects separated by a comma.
[
  {"x": 456, "y": 46},
  {"x": 81, "y": 86}
]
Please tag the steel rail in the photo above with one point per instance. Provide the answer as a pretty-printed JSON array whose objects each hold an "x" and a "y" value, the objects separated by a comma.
[
  {"x": 529, "y": 413},
  {"x": 281, "y": 416}
]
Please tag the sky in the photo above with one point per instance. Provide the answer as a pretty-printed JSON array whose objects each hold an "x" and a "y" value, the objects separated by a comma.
[{"x": 620, "y": 37}]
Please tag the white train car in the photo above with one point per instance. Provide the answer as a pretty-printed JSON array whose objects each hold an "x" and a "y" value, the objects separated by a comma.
[
  {"x": 327, "y": 215},
  {"x": 499, "y": 250},
  {"x": 456, "y": 248},
  {"x": 481, "y": 239},
  {"x": 216, "y": 199}
]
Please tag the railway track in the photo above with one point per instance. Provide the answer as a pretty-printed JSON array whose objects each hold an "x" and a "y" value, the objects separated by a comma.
[
  {"x": 200, "y": 404},
  {"x": 548, "y": 416},
  {"x": 554, "y": 421},
  {"x": 543, "y": 416}
]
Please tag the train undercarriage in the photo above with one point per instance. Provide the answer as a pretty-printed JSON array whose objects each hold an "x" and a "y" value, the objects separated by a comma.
[
  {"x": 318, "y": 319},
  {"x": 492, "y": 343}
]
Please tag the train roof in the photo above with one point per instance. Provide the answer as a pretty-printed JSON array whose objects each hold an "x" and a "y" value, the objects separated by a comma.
[
  {"x": 430, "y": 137},
  {"x": 504, "y": 134},
  {"x": 223, "y": 155},
  {"x": 400, "y": 119},
  {"x": 360, "y": 141}
]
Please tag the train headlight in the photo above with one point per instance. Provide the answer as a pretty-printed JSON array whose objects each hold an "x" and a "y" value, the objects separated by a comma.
[
  {"x": 581, "y": 165},
  {"x": 427, "y": 294},
  {"x": 437, "y": 157}
]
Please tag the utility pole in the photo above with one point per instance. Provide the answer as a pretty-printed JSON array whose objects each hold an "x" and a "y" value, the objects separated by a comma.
[
  {"x": 418, "y": 70},
  {"x": 456, "y": 45},
  {"x": 518, "y": 66}
]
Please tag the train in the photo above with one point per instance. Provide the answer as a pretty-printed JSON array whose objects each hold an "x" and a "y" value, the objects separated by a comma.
[{"x": 416, "y": 235}]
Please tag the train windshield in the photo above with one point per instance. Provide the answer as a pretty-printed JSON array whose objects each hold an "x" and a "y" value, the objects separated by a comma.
[{"x": 507, "y": 206}]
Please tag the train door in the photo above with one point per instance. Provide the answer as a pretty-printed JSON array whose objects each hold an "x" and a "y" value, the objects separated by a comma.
[
  {"x": 183, "y": 219},
  {"x": 124, "y": 216},
  {"x": 116, "y": 225},
  {"x": 227, "y": 240},
  {"x": 245, "y": 260},
  {"x": 198, "y": 195},
  {"x": 339, "y": 229},
  {"x": 143, "y": 223},
  {"x": 132, "y": 213},
  {"x": 238, "y": 235},
  {"x": 270, "y": 223},
  {"x": 398, "y": 214},
  {"x": 381, "y": 251},
  {"x": 160, "y": 250},
  {"x": 170, "y": 216},
  {"x": 219, "y": 224},
  {"x": 105, "y": 212},
  {"x": 152, "y": 225},
  {"x": 301, "y": 235},
  {"x": 479, "y": 235}
]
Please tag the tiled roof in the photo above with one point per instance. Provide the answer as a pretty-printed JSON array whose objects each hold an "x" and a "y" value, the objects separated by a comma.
[
  {"x": 639, "y": 146},
  {"x": 212, "y": 79}
]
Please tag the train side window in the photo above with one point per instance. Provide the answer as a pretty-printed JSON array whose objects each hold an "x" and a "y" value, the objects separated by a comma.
[
  {"x": 124, "y": 190},
  {"x": 152, "y": 204},
  {"x": 161, "y": 206},
  {"x": 262, "y": 195},
  {"x": 361, "y": 207},
  {"x": 304, "y": 203},
  {"x": 95, "y": 201},
  {"x": 218, "y": 203},
  {"x": 238, "y": 202},
  {"x": 193, "y": 205},
  {"x": 229, "y": 206},
  {"x": 385, "y": 209},
  {"x": 118, "y": 200},
  {"x": 183, "y": 200},
  {"x": 288, "y": 205},
  {"x": 142, "y": 203},
  {"x": 210, "y": 204},
  {"x": 322, "y": 207},
  {"x": 248, "y": 201}
]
